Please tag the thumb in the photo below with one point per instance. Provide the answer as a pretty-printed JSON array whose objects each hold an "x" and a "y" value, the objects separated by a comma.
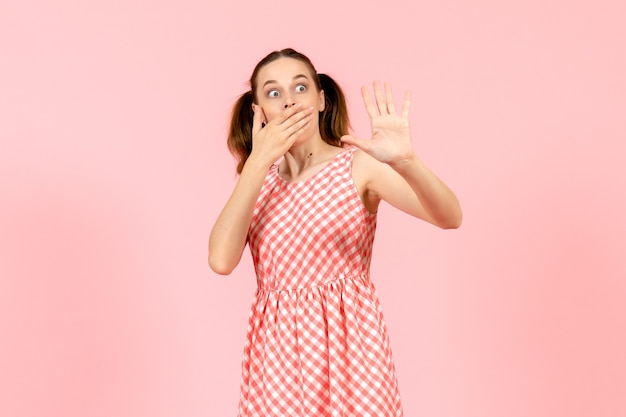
[
  {"x": 257, "y": 119},
  {"x": 354, "y": 141}
]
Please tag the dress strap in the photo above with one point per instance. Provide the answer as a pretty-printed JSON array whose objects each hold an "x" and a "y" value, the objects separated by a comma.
[{"x": 346, "y": 157}]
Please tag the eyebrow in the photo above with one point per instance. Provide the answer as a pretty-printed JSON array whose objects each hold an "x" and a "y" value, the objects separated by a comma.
[{"x": 294, "y": 78}]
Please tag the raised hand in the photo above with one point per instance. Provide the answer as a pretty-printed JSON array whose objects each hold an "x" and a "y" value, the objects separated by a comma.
[
  {"x": 273, "y": 140},
  {"x": 391, "y": 138}
]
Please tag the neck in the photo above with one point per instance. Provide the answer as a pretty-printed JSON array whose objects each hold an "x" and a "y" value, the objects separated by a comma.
[{"x": 301, "y": 157}]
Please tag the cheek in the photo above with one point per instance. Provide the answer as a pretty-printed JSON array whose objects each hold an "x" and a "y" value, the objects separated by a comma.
[{"x": 270, "y": 113}]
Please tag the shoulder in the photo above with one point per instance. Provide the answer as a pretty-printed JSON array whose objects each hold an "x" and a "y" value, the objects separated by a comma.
[
  {"x": 366, "y": 168},
  {"x": 378, "y": 181},
  {"x": 368, "y": 173}
]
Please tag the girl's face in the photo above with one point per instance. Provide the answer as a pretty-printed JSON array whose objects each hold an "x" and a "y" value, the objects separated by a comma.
[{"x": 285, "y": 82}]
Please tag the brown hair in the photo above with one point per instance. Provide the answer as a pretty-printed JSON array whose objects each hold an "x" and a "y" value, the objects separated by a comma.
[{"x": 333, "y": 121}]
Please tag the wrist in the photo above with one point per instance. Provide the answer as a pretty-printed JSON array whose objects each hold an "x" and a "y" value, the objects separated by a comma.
[
  {"x": 256, "y": 164},
  {"x": 403, "y": 163}
]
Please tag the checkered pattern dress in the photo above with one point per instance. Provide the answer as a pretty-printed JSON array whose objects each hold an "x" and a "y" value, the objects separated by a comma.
[{"x": 317, "y": 345}]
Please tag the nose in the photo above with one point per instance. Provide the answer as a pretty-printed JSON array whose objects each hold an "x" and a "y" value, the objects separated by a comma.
[{"x": 289, "y": 101}]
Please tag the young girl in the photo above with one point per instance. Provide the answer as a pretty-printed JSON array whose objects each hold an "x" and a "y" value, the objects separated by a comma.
[{"x": 306, "y": 205}]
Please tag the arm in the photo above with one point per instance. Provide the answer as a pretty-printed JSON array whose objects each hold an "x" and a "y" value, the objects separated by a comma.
[
  {"x": 228, "y": 236},
  {"x": 389, "y": 170}
]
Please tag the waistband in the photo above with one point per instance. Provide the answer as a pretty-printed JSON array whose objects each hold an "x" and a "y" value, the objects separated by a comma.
[{"x": 339, "y": 279}]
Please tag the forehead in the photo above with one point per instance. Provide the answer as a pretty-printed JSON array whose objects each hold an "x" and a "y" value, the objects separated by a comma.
[{"x": 283, "y": 70}]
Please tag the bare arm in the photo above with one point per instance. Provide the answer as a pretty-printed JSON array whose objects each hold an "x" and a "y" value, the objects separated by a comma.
[
  {"x": 389, "y": 170},
  {"x": 409, "y": 186},
  {"x": 228, "y": 236}
]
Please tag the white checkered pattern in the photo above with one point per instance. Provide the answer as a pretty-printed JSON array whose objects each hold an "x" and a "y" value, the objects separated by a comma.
[{"x": 317, "y": 345}]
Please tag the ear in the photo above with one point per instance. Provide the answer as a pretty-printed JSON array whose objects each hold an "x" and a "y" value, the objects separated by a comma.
[{"x": 322, "y": 102}]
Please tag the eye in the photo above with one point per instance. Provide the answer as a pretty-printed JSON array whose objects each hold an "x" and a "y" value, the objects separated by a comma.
[
  {"x": 301, "y": 88},
  {"x": 272, "y": 93}
]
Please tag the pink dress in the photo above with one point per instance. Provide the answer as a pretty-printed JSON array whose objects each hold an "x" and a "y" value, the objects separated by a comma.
[{"x": 317, "y": 345}]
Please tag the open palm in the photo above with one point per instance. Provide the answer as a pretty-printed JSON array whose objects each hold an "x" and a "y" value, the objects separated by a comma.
[{"x": 391, "y": 137}]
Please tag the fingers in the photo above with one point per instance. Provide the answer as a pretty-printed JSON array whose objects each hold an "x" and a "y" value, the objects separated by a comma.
[
  {"x": 380, "y": 98},
  {"x": 382, "y": 103},
  {"x": 301, "y": 121},
  {"x": 257, "y": 120},
  {"x": 284, "y": 121},
  {"x": 287, "y": 125},
  {"x": 369, "y": 104},
  {"x": 295, "y": 121},
  {"x": 406, "y": 105},
  {"x": 391, "y": 107},
  {"x": 384, "y": 100},
  {"x": 294, "y": 110}
]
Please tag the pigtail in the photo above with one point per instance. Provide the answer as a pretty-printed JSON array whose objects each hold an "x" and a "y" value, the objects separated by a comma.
[
  {"x": 240, "y": 132},
  {"x": 334, "y": 120}
]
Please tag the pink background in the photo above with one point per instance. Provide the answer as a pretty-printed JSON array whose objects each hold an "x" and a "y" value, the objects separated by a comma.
[{"x": 113, "y": 168}]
